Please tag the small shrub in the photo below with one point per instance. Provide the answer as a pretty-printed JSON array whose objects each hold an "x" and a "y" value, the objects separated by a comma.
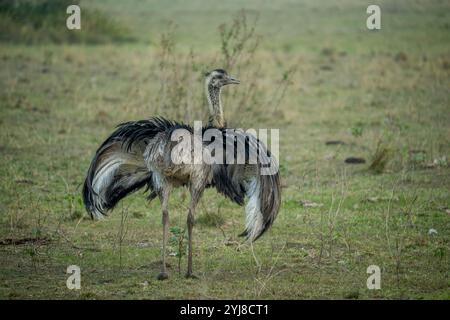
[
  {"x": 380, "y": 159},
  {"x": 74, "y": 204},
  {"x": 176, "y": 240},
  {"x": 357, "y": 130}
]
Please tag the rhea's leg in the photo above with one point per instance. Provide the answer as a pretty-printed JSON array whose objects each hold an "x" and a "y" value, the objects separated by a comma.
[
  {"x": 164, "y": 198},
  {"x": 195, "y": 195},
  {"x": 190, "y": 225}
]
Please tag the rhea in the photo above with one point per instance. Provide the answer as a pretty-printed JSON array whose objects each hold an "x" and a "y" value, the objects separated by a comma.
[{"x": 142, "y": 154}]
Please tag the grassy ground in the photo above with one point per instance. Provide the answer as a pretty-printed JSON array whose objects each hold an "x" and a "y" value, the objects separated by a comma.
[{"x": 383, "y": 94}]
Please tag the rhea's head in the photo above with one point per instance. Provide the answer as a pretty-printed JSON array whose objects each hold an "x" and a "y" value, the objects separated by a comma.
[{"x": 219, "y": 78}]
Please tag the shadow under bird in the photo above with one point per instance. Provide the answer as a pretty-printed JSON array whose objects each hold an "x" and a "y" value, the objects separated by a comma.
[{"x": 138, "y": 154}]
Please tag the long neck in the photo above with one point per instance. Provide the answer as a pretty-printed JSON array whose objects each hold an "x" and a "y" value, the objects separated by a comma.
[{"x": 215, "y": 106}]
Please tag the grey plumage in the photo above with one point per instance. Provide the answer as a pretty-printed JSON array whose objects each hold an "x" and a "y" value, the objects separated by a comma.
[{"x": 141, "y": 154}]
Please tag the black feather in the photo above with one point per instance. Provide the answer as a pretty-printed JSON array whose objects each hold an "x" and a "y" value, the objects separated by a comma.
[{"x": 127, "y": 135}]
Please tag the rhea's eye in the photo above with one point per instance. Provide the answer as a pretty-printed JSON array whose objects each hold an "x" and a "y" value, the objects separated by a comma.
[{"x": 220, "y": 77}]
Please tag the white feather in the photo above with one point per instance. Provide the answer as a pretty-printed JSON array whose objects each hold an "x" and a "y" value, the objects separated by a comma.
[
  {"x": 101, "y": 181},
  {"x": 254, "y": 218}
]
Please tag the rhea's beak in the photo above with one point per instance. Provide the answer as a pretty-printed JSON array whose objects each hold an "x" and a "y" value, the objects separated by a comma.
[{"x": 232, "y": 80}]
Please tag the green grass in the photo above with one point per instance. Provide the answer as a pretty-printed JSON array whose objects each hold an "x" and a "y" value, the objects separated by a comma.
[
  {"x": 367, "y": 89},
  {"x": 43, "y": 21}
]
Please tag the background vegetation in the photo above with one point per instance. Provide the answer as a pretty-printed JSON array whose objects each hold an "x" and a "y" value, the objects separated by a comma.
[
  {"x": 312, "y": 69},
  {"x": 41, "y": 21}
]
